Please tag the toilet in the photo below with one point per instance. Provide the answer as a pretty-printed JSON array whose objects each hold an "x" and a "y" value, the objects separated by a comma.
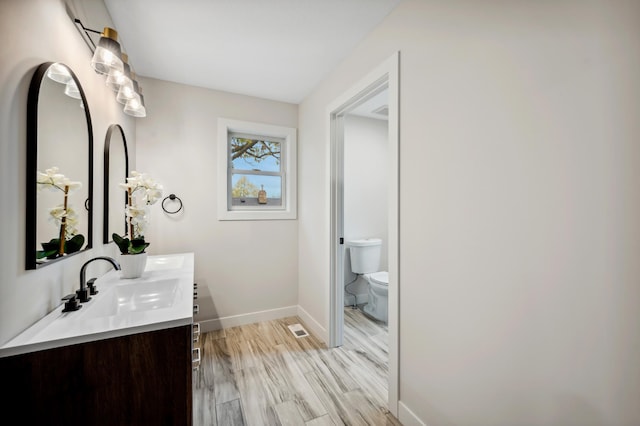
[{"x": 365, "y": 261}]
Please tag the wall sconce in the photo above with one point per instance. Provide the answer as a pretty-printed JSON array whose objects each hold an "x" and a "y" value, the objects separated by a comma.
[
  {"x": 60, "y": 74},
  {"x": 72, "y": 90},
  {"x": 108, "y": 55},
  {"x": 109, "y": 60},
  {"x": 135, "y": 106},
  {"x": 117, "y": 78},
  {"x": 127, "y": 90}
]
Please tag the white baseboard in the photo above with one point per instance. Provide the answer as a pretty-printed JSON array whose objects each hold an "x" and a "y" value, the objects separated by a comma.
[
  {"x": 408, "y": 417},
  {"x": 252, "y": 317},
  {"x": 314, "y": 326},
  {"x": 249, "y": 318}
]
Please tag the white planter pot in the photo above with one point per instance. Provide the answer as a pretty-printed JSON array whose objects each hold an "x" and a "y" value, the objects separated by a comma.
[{"x": 132, "y": 265}]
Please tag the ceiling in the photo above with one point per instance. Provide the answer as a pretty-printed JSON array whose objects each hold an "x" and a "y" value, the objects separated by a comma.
[{"x": 273, "y": 49}]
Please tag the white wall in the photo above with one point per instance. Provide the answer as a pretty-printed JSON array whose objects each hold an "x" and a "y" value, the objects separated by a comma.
[
  {"x": 38, "y": 31},
  {"x": 242, "y": 267},
  {"x": 365, "y": 190},
  {"x": 518, "y": 270}
]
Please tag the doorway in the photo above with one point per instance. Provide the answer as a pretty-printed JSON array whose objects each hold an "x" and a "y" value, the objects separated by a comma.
[{"x": 383, "y": 79}]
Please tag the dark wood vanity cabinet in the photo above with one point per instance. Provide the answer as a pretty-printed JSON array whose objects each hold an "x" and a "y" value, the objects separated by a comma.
[{"x": 138, "y": 379}]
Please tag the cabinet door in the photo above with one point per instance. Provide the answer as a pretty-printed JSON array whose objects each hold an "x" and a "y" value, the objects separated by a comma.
[{"x": 143, "y": 378}]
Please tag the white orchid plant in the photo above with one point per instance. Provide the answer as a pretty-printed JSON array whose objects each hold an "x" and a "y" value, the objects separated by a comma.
[
  {"x": 142, "y": 191},
  {"x": 63, "y": 216}
]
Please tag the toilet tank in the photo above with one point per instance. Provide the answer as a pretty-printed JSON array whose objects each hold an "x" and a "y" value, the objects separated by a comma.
[{"x": 365, "y": 255}]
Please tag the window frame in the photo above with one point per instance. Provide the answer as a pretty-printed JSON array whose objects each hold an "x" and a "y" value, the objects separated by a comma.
[{"x": 285, "y": 135}]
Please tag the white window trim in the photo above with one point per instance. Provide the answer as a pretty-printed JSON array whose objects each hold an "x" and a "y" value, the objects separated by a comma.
[{"x": 289, "y": 209}]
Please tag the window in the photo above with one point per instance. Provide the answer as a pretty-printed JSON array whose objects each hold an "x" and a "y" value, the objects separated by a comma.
[
  {"x": 257, "y": 171},
  {"x": 255, "y": 161}
]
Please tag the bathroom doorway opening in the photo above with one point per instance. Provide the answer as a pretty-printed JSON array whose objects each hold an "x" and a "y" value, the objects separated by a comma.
[{"x": 384, "y": 79}]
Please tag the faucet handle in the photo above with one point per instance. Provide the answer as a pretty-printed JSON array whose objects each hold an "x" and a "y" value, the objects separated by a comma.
[
  {"x": 92, "y": 286},
  {"x": 71, "y": 303},
  {"x": 83, "y": 295}
]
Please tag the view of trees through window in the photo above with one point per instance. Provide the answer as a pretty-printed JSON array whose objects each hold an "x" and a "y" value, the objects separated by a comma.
[{"x": 256, "y": 174}]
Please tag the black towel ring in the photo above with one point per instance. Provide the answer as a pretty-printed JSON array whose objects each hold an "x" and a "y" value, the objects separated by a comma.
[{"x": 171, "y": 197}]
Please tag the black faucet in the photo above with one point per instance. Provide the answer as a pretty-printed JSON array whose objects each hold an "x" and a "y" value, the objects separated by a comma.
[{"x": 83, "y": 293}]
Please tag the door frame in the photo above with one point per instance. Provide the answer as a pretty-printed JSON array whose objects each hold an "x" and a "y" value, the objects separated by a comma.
[{"x": 386, "y": 74}]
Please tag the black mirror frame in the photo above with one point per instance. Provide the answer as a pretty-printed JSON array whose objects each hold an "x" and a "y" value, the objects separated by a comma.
[
  {"x": 107, "y": 144},
  {"x": 32, "y": 166}
]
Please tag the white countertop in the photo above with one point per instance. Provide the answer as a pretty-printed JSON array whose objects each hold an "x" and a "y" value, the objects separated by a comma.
[{"x": 161, "y": 298}]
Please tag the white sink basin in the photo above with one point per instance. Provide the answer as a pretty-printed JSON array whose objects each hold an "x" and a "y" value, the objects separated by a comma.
[
  {"x": 161, "y": 263},
  {"x": 149, "y": 295},
  {"x": 132, "y": 297}
]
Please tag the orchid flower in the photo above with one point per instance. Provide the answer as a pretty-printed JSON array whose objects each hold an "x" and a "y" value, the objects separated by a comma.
[
  {"x": 151, "y": 191},
  {"x": 53, "y": 180},
  {"x": 137, "y": 217},
  {"x": 142, "y": 191},
  {"x": 58, "y": 213},
  {"x": 63, "y": 216}
]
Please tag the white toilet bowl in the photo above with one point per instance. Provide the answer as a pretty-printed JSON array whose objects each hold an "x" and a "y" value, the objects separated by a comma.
[{"x": 378, "y": 305}]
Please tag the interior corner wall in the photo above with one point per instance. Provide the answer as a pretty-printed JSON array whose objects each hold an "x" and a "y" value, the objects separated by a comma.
[
  {"x": 243, "y": 268},
  {"x": 518, "y": 261},
  {"x": 38, "y": 31}
]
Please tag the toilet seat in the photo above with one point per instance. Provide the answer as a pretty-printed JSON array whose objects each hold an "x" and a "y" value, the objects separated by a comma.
[{"x": 380, "y": 278}]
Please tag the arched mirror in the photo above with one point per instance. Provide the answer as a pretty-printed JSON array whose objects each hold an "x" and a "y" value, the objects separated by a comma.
[
  {"x": 59, "y": 167},
  {"x": 116, "y": 170}
]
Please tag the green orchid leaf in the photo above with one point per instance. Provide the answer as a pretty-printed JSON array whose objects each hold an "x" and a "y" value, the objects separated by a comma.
[
  {"x": 49, "y": 254},
  {"x": 126, "y": 246},
  {"x": 138, "y": 245},
  {"x": 122, "y": 243},
  {"x": 139, "y": 249},
  {"x": 49, "y": 250},
  {"x": 74, "y": 244}
]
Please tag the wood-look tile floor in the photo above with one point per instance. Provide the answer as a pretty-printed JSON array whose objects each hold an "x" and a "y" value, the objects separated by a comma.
[{"x": 260, "y": 374}]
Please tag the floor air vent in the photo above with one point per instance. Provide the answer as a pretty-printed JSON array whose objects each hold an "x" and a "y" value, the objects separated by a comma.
[{"x": 298, "y": 330}]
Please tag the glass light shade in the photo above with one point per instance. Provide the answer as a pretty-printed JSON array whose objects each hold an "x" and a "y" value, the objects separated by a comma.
[
  {"x": 107, "y": 55},
  {"x": 127, "y": 92},
  {"x": 72, "y": 90},
  {"x": 135, "y": 107},
  {"x": 58, "y": 72},
  {"x": 117, "y": 78}
]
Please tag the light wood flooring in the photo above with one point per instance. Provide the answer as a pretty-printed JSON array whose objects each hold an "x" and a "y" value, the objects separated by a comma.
[{"x": 260, "y": 374}]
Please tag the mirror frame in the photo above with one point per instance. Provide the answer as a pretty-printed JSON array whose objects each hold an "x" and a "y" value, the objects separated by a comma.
[
  {"x": 32, "y": 167},
  {"x": 107, "y": 144}
]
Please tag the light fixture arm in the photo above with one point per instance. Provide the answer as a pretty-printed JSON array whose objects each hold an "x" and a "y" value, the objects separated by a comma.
[
  {"x": 86, "y": 36},
  {"x": 85, "y": 28}
]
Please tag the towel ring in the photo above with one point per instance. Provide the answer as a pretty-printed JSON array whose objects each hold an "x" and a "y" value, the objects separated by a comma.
[{"x": 171, "y": 197}]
